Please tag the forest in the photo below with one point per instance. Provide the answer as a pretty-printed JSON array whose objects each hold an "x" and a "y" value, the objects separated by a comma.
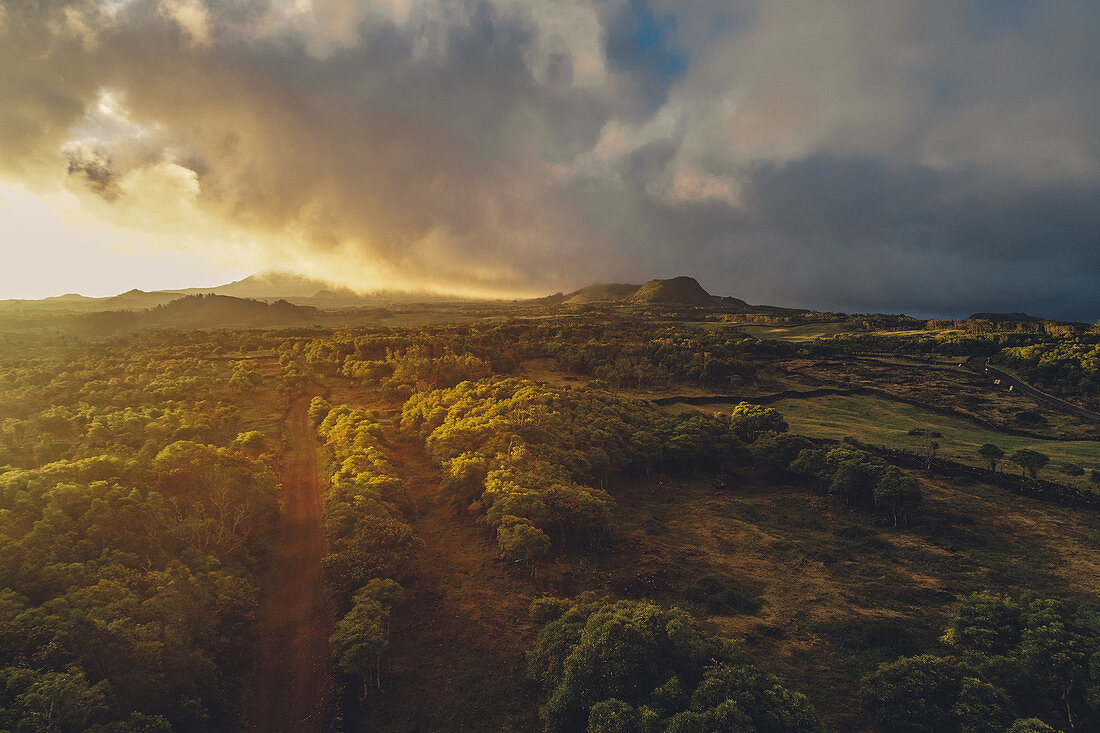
[
  {"x": 137, "y": 512},
  {"x": 577, "y": 521}
]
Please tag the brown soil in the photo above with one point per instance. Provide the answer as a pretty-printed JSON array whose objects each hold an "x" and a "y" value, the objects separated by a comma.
[{"x": 293, "y": 677}]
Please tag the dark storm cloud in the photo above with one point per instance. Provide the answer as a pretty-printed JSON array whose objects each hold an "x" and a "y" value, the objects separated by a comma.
[
  {"x": 95, "y": 170},
  {"x": 935, "y": 157},
  {"x": 855, "y": 235},
  {"x": 932, "y": 242}
]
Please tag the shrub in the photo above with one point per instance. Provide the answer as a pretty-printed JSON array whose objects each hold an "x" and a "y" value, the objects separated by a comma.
[
  {"x": 621, "y": 666},
  {"x": 1072, "y": 469}
]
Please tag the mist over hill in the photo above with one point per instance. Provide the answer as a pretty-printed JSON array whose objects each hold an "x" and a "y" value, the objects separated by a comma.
[
  {"x": 265, "y": 286},
  {"x": 199, "y": 312},
  {"x": 195, "y": 312}
]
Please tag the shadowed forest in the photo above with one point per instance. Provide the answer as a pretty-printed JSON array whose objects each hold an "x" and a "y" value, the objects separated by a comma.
[{"x": 595, "y": 512}]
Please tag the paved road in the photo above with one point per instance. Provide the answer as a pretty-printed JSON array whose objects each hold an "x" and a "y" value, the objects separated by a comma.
[{"x": 979, "y": 364}]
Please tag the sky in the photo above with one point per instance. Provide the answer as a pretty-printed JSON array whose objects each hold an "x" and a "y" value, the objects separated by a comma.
[{"x": 933, "y": 157}]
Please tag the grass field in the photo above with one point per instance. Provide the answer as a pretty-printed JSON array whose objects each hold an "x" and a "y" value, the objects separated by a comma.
[
  {"x": 810, "y": 331},
  {"x": 886, "y": 422},
  {"x": 805, "y": 332},
  {"x": 925, "y": 361}
]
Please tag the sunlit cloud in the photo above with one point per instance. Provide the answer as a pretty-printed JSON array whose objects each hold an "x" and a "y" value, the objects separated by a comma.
[{"x": 191, "y": 16}]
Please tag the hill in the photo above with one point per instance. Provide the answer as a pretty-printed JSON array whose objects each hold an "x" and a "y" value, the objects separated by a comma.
[
  {"x": 1003, "y": 317},
  {"x": 681, "y": 290},
  {"x": 219, "y": 311},
  {"x": 601, "y": 291},
  {"x": 674, "y": 291},
  {"x": 137, "y": 300},
  {"x": 198, "y": 312},
  {"x": 267, "y": 285},
  {"x": 301, "y": 290}
]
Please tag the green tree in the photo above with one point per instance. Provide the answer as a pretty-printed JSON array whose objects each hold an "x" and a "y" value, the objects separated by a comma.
[
  {"x": 362, "y": 635},
  {"x": 985, "y": 623},
  {"x": 521, "y": 542},
  {"x": 464, "y": 479},
  {"x": 750, "y": 421},
  {"x": 245, "y": 376},
  {"x": 811, "y": 463},
  {"x": 742, "y": 697},
  {"x": 252, "y": 443},
  {"x": 613, "y": 716},
  {"x": 913, "y": 694},
  {"x": 1030, "y": 725},
  {"x": 854, "y": 481},
  {"x": 992, "y": 454},
  {"x": 318, "y": 409},
  {"x": 981, "y": 707},
  {"x": 55, "y": 702},
  {"x": 1044, "y": 651},
  {"x": 776, "y": 452},
  {"x": 618, "y": 665},
  {"x": 1029, "y": 460},
  {"x": 1058, "y": 643},
  {"x": 896, "y": 494},
  {"x": 931, "y": 449}
]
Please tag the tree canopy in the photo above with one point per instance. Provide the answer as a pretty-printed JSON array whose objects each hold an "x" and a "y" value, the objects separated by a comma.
[{"x": 634, "y": 666}]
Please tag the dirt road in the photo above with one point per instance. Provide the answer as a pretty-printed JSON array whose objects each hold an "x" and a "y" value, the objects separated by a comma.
[{"x": 293, "y": 678}]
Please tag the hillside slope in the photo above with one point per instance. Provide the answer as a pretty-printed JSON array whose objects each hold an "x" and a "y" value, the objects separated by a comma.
[
  {"x": 601, "y": 291},
  {"x": 198, "y": 311},
  {"x": 674, "y": 291}
]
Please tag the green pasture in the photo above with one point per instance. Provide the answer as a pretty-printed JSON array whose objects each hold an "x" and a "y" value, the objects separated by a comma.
[
  {"x": 885, "y": 422},
  {"x": 804, "y": 332}
]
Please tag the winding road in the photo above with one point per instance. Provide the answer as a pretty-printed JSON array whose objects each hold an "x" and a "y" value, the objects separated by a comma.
[{"x": 979, "y": 365}]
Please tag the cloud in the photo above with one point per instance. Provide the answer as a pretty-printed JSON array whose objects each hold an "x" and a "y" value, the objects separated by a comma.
[
  {"x": 938, "y": 157},
  {"x": 191, "y": 16}
]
